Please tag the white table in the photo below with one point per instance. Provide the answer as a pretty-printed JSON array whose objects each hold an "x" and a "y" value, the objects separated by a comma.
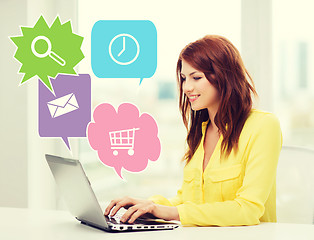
[{"x": 26, "y": 224}]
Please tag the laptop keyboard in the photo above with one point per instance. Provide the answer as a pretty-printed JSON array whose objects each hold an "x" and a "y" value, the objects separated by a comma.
[{"x": 115, "y": 219}]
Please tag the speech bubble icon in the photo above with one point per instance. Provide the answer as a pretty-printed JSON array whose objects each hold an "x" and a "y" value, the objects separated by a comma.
[
  {"x": 47, "y": 51},
  {"x": 67, "y": 113},
  {"x": 124, "y": 49},
  {"x": 124, "y": 138}
]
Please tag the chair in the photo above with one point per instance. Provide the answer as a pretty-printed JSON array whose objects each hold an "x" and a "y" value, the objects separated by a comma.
[{"x": 295, "y": 185}]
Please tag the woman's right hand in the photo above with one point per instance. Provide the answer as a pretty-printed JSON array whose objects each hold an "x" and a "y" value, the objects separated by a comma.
[{"x": 136, "y": 208}]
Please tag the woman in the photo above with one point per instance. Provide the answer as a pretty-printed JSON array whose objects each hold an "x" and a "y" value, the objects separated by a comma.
[{"x": 233, "y": 149}]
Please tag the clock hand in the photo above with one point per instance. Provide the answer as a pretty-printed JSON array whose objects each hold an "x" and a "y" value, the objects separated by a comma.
[{"x": 123, "y": 47}]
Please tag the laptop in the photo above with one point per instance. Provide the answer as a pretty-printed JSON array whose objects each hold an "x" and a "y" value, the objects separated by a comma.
[{"x": 82, "y": 202}]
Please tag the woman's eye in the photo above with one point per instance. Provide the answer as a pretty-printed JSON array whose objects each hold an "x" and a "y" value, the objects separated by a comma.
[
  {"x": 182, "y": 79},
  {"x": 197, "y": 78}
]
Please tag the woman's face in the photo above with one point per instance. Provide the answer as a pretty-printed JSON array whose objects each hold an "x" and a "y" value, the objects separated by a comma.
[{"x": 200, "y": 92}]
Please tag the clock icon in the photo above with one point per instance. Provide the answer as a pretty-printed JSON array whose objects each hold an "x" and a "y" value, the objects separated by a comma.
[{"x": 124, "y": 49}]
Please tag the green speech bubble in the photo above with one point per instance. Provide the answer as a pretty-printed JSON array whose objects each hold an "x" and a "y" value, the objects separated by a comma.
[{"x": 46, "y": 52}]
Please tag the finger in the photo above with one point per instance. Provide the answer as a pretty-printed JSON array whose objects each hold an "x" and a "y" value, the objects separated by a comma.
[
  {"x": 129, "y": 213},
  {"x": 111, "y": 205},
  {"x": 138, "y": 213},
  {"x": 120, "y": 204}
]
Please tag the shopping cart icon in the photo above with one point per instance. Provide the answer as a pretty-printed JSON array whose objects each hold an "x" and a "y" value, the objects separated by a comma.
[{"x": 123, "y": 139}]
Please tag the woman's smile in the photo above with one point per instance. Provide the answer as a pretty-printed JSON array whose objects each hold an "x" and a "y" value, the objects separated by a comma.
[{"x": 192, "y": 98}]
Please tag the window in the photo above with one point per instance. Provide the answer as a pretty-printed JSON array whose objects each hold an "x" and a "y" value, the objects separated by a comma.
[{"x": 293, "y": 70}]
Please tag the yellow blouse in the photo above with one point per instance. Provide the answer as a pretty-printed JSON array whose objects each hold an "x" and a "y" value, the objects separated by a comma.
[{"x": 238, "y": 190}]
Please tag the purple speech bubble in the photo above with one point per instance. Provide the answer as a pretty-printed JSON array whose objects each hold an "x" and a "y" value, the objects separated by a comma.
[
  {"x": 68, "y": 112},
  {"x": 124, "y": 138}
]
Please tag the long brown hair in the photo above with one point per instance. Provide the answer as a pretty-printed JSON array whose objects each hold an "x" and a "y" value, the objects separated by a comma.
[{"x": 216, "y": 55}]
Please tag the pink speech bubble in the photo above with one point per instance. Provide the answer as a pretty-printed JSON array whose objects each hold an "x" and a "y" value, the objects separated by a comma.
[{"x": 124, "y": 138}]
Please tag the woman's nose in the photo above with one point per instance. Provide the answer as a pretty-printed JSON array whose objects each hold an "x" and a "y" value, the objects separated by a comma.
[{"x": 187, "y": 86}]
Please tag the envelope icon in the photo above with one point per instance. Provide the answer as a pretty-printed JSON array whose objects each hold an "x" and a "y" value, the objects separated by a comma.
[{"x": 63, "y": 105}]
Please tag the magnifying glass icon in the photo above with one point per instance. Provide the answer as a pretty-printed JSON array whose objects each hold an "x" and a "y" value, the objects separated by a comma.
[{"x": 48, "y": 52}]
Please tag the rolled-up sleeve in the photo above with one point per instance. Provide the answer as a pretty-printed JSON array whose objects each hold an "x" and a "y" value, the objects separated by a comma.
[{"x": 159, "y": 199}]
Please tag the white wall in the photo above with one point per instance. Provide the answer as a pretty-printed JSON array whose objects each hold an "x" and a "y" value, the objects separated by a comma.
[
  {"x": 13, "y": 121},
  {"x": 256, "y": 45}
]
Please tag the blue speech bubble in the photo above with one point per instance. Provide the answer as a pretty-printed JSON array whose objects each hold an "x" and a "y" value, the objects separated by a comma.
[{"x": 124, "y": 49}]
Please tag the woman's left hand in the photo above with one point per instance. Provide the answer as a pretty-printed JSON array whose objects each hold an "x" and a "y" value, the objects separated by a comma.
[{"x": 139, "y": 207}]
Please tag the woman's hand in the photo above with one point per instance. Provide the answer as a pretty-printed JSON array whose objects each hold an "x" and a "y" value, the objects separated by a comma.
[{"x": 138, "y": 207}]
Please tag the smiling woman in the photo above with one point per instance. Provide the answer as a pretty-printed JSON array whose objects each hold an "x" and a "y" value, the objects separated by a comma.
[
  {"x": 227, "y": 187},
  {"x": 224, "y": 86}
]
